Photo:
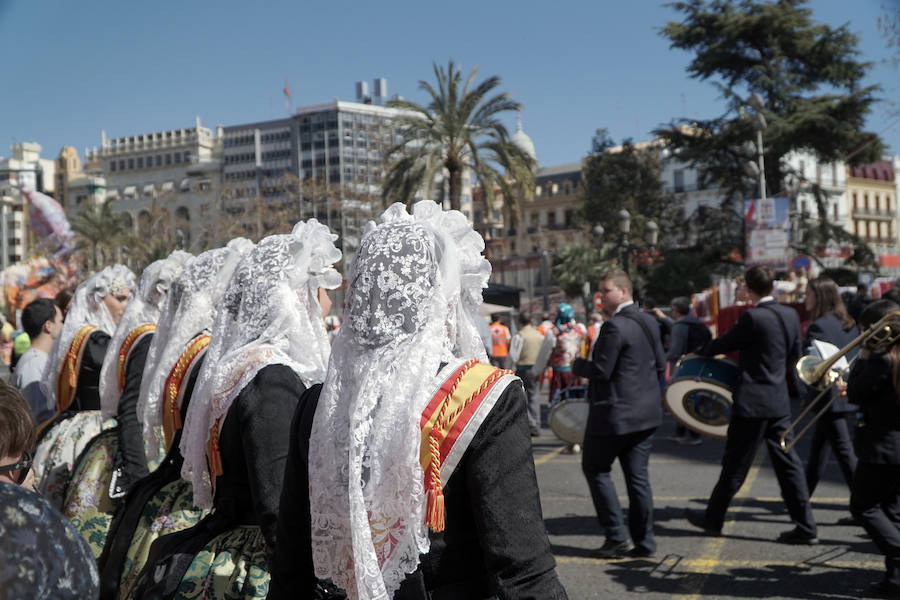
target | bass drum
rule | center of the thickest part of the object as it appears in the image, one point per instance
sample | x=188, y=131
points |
x=699, y=394
x=569, y=415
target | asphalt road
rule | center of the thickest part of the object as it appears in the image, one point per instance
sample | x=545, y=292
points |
x=745, y=562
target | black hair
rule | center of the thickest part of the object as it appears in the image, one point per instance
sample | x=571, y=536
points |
x=682, y=305
x=760, y=279
x=36, y=314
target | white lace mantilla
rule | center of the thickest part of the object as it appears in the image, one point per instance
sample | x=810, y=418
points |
x=87, y=308
x=413, y=296
x=271, y=315
x=144, y=307
x=189, y=310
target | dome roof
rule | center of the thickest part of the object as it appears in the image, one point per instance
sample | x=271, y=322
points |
x=521, y=139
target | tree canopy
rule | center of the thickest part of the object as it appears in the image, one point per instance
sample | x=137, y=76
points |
x=809, y=77
x=458, y=129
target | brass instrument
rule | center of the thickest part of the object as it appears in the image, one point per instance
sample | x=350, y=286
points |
x=818, y=373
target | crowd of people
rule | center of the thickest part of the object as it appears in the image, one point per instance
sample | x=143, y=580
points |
x=208, y=430
x=203, y=431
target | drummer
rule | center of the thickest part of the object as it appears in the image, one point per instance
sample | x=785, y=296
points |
x=768, y=337
x=688, y=334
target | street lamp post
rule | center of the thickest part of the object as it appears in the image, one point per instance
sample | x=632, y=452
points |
x=759, y=123
x=544, y=276
x=623, y=217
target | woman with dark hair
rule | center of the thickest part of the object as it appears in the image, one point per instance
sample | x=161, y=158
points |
x=874, y=384
x=16, y=438
x=830, y=323
x=63, y=300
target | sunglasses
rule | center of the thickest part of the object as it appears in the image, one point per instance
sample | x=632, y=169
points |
x=22, y=467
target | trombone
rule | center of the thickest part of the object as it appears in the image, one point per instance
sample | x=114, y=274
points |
x=819, y=373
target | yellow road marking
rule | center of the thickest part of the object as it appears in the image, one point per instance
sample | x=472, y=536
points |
x=712, y=547
x=710, y=564
x=549, y=456
x=658, y=499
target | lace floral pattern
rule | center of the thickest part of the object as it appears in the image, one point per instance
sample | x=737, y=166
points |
x=271, y=315
x=189, y=310
x=144, y=307
x=87, y=309
x=393, y=276
x=413, y=296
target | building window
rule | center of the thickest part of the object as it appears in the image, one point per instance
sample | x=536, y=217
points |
x=679, y=180
x=803, y=207
x=112, y=165
x=159, y=160
x=187, y=156
x=178, y=157
x=140, y=162
x=168, y=159
x=835, y=209
x=834, y=179
x=122, y=164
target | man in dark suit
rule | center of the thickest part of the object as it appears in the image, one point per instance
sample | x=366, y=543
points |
x=625, y=410
x=768, y=337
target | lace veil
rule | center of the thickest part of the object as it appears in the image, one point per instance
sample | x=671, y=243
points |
x=189, y=310
x=413, y=296
x=143, y=307
x=87, y=308
x=271, y=315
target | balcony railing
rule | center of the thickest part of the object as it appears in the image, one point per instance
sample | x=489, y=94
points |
x=873, y=212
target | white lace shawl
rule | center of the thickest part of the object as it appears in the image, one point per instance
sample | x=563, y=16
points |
x=143, y=307
x=87, y=308
x=189, y=310
x=413, y=296
x=271, y=315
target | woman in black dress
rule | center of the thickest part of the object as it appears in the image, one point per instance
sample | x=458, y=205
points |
x=268, y=345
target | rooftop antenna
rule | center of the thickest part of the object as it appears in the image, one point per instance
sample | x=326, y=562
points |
x=287, y=97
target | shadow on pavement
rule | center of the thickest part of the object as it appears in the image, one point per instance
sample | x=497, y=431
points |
x=664, y=576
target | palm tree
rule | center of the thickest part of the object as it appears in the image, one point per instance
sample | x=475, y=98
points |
x=459, y=129
x=100, y=230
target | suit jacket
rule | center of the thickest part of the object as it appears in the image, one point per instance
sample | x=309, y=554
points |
x=870, y=385
x=827, y=328
x=769, y=349
x=625, y=373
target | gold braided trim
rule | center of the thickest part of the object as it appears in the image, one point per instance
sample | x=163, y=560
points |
x=130, y=339
x=472, y=381
x=67, y=378
x=171, y=388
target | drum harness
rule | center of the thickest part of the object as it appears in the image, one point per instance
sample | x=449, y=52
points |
x=637, y=319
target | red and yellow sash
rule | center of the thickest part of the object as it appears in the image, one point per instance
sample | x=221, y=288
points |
x=444, y=420
x=171, y=416
x=133, y=336
x=67, y=378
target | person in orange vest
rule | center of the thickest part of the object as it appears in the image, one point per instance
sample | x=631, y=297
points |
x=593, y=330
x=499, y=342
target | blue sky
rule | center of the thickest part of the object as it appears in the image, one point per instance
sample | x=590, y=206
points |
x=73, y=69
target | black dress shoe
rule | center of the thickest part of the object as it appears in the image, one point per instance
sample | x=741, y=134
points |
x=883, y=589
x=640, y=553
x=611, y=549
x=698, y=519
x=797, y=537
